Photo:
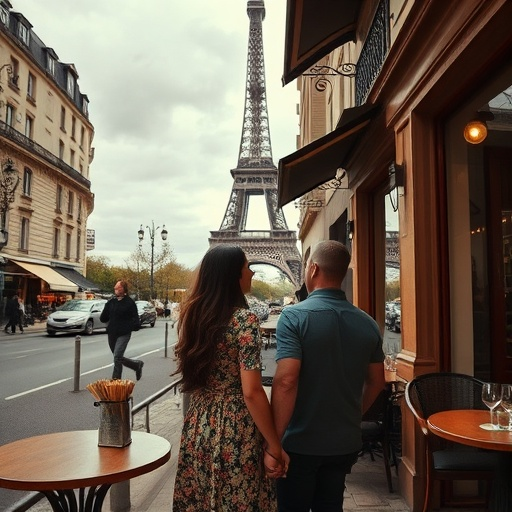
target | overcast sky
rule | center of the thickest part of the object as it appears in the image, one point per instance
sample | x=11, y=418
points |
x=166, y=84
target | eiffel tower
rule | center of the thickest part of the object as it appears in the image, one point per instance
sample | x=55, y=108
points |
x=256, y=173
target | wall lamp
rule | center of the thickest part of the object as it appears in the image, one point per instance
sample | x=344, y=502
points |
x=396, y=179
x=475, y=131
x=350, y=229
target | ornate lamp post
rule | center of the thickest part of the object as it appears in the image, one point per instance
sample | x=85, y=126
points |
x=152, y=231
x=9, y=179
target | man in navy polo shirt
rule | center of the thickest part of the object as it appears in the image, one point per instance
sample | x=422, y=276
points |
x=329, y=371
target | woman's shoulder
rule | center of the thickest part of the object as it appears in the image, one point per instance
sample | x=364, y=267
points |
x=245, y=315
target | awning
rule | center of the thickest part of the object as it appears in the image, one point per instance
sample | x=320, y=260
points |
x=313, y=29
x=78, y=279
x=318, y=162
x=56, y=282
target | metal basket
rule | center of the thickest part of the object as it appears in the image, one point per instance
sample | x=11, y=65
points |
x=115, y=423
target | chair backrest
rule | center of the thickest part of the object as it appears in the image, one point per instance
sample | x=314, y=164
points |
x=435, y=392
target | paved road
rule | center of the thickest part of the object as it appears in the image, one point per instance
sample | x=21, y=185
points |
x=37, y=381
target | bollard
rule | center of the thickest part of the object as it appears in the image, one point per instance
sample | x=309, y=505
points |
x=76, y=388
x=120, y=497
x=166, y=338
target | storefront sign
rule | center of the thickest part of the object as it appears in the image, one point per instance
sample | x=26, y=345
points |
x=91, y=236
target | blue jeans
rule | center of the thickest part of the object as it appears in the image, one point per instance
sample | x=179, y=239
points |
x=314, y=482
x=118, y=346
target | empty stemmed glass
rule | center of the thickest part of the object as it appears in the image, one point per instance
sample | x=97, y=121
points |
x=491, y=396
x=506, y=402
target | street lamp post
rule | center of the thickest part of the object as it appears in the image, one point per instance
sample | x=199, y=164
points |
x=152, y=231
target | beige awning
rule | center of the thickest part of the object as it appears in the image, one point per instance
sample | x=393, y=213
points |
x=56, y=282
x=315, y=28
x=318, y=162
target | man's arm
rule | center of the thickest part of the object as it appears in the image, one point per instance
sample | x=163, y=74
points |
x=284, y=392
x=373, y=384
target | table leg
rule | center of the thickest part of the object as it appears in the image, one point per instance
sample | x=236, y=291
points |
x=88, y=500
x=501, y=494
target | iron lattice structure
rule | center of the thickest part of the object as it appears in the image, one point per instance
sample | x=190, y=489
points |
x=256, y=173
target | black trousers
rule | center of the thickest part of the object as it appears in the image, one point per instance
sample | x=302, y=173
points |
x=314, y=482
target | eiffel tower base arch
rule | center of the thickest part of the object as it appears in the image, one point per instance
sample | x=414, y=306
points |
x=279, y=251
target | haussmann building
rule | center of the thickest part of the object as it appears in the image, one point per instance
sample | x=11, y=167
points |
x=45, y=153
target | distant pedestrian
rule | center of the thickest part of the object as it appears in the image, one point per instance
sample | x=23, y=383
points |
x=167, y=311
x=122, y=316
x=21, y=315
x=12, y=311
x=175, y=313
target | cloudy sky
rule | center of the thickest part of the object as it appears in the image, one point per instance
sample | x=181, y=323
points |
x=166, y=84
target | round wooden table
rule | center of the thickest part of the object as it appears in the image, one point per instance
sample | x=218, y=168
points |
x=463, y=426
x=56, y=464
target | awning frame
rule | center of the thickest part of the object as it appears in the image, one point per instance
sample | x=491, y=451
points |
x=317, y=162
x=314, y=28
x=56, y=281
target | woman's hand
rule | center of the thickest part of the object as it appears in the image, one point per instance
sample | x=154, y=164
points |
x=275, y=467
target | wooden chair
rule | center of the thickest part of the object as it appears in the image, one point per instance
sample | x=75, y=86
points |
x=435, y=392
x=375, y=427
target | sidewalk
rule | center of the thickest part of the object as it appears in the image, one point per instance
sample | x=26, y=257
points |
x=37, y=327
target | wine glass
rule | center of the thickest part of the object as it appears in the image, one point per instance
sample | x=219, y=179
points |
x=491, y=396
x=506, y=401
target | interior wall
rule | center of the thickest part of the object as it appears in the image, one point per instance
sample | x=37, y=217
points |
x=459, y=243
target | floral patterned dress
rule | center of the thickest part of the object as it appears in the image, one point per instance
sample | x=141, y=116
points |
x=220, y=465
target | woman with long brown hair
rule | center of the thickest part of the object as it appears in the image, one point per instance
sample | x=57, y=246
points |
x=229, y=445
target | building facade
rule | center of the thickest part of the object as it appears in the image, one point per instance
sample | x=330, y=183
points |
x=45, y=153
x=395, y=96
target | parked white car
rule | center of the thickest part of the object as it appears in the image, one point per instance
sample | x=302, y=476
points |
x=76, y=316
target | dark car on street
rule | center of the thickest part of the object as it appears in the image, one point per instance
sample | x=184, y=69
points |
x=147, y=312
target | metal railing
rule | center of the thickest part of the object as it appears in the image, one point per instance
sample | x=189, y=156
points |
x=32, y=498
x=148, y=401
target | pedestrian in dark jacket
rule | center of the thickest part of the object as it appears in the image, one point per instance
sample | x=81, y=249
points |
x=12, y=311
x=122, y=316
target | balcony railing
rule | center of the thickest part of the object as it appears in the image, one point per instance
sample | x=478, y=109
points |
x=373, y=53
x=14, y=135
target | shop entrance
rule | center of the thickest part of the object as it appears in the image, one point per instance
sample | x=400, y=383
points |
x=498, y=170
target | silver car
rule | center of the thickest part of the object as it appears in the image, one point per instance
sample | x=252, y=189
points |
x=76, y=316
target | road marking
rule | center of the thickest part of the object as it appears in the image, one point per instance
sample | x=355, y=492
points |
x=57, y=382
x=96, y=369
x=150, y=352
x=37, y=389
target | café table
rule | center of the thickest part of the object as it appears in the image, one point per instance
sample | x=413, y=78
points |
x=72, y=471
x=470, y=427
